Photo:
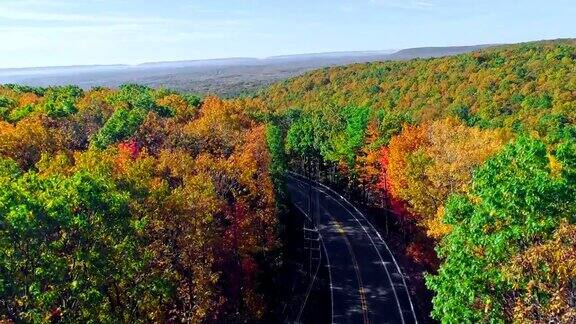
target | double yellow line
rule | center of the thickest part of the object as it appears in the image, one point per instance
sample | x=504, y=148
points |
x=363, y=303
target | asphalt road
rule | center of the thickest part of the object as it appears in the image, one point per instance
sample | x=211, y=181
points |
x=367, y=285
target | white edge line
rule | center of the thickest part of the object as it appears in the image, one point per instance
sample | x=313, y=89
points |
x=315, y=274
x=329, y=269
x=377, y=251
x=329, y=278
x=373, y=245
x=379, y=236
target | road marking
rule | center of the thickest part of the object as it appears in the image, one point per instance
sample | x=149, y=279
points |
x=330, y=279
x=329, y=269
x=369, y=236
x=315, y=274
x=363, y=302
x=373, y=245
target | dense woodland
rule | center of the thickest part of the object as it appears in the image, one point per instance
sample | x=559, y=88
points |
x=117, y=205
x=132, y=204
x=476, y=151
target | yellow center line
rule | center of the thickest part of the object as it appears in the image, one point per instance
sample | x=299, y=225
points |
x=363, y=303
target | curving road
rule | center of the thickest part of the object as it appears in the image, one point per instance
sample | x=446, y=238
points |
x=367, y=285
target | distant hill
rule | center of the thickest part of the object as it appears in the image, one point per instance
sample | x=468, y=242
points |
x=493, y=83
x=430, y=52
x=226, y=77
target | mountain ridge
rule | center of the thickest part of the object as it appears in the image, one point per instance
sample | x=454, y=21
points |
x=223, y=76
x=390, y=52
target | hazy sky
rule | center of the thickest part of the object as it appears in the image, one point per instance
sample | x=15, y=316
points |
x=69, y=32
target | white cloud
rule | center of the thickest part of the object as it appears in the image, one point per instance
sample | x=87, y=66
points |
x=22, y=13
x=60, y=32
x=84, y=44
x=61, y=13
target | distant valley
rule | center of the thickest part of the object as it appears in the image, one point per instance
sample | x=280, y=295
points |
x=225, y=77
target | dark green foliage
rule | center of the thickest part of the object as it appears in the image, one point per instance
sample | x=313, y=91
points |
x=193, y=100
x=537, y=102
x=555, y=128
x=163, y=111
x=464, y=114
x=134, y=96
x=6, y=104
x=278, y=163
x=375, y=89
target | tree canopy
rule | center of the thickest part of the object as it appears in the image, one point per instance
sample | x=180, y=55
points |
x=133, y=205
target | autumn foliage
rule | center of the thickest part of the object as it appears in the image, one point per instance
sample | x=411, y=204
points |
x=428, y=162
x=413, y=138
x=132, y=205
x=142, y=204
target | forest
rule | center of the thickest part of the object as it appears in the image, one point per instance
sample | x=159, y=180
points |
x=132, y=204
x=474, y=156
x=148, y=204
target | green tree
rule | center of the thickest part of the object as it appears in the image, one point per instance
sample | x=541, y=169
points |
x=517, y=199
x=6, y=104
x=120, y=126
x=278, y=166
x=301, y=137
x=390, y=124
x=355, y=132
x=134, y=96
x=69, y=248
x=60, y=101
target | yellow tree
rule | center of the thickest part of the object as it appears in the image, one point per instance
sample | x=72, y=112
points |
x=455, y=150
x=368, y=161
x=543, y=279
x=26, y=141
x=428, y=162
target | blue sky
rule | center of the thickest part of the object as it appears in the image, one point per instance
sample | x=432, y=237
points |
x=70, y=32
